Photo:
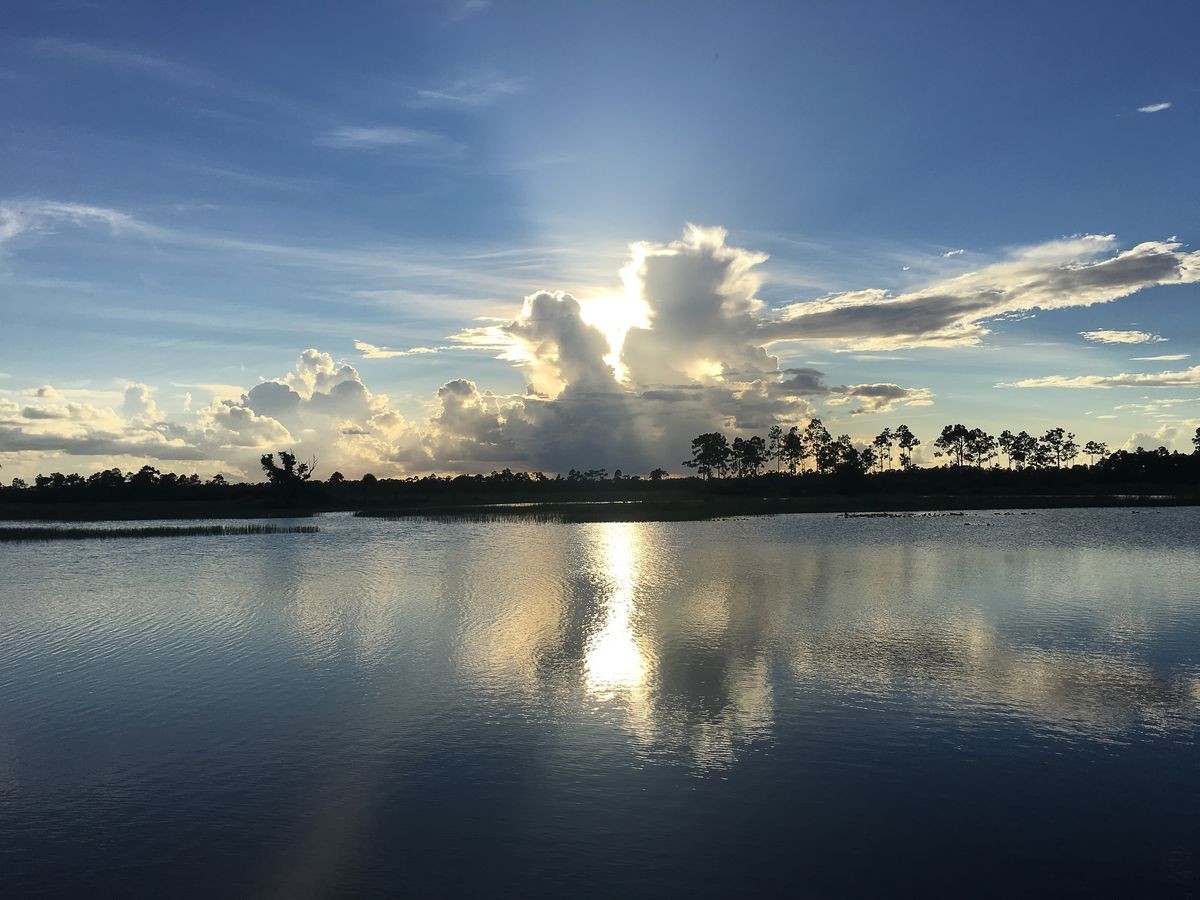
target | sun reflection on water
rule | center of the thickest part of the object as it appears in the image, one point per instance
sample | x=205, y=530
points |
x=614, y=661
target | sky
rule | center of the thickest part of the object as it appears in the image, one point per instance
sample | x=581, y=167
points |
x=457, y=235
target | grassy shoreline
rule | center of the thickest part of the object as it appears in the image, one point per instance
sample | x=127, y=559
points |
x=672, y=508
x=25, y=533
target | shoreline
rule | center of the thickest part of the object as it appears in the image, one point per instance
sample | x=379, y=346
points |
x=591, y=510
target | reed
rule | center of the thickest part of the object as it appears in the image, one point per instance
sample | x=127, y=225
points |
x=70, y=533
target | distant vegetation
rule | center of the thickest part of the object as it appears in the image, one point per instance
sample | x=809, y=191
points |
x=797, y=469
x=59, y=533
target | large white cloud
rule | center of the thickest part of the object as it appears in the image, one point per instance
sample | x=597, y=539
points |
x=620, y=381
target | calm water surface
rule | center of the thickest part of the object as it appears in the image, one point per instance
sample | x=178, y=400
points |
x=978, y=705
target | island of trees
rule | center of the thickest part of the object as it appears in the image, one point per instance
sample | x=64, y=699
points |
x=799, y=469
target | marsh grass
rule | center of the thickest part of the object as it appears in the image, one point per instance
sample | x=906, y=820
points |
x=69, y=533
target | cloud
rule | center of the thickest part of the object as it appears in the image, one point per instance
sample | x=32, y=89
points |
x=949, y=253
x=44, y=216
x=1166, y=357
x=370, y=351
x=1167, y=435
x=1121, y=337
x=615, y=379
x=355, y=137
x=466, y=93
x=1072, y=272
x=1154, y=107
x=1183, y=378
x=807, y=382
x=106, y=56
x=139, y=404
x=464, y=9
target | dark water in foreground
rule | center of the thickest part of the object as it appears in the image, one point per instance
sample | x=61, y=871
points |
x=979, y=705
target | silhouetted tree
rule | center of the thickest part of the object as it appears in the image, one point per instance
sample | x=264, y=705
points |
x=1094, y=449
x=145, y=478
x=848, y=460
x=907, y=442
x=1059, y=447
x=710, y=454
x=952, y=443
x=1024, y=449
x=819, y=443
x=1196, y=441
x=288, y=475
x=980, y=447
x=794, y=450
x=775, y=445
x=883, y=448
x=749, y=455
x=656, y=474
x=337, y=478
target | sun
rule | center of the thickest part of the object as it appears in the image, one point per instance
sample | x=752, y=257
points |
x=614, y=315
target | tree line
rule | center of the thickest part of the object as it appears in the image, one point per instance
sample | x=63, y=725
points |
x=1047, y=461
x=814, y=449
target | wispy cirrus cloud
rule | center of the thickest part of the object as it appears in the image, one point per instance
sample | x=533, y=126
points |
x=1154, y=107
x=20, y=216
x=97, y=54
x=371, y=137
x=173, y=72
x=1165, y=357
x=466, y=93
x=371, y=351
x=1182, y=378
x=1109, y=336
x=464, y=9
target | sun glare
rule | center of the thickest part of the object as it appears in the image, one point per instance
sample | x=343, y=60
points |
x=614, y=315
x=614, y=660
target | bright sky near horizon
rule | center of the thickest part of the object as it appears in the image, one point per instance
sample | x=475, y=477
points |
x=446, y=236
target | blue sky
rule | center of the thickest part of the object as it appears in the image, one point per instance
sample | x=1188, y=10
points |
x=194, y=195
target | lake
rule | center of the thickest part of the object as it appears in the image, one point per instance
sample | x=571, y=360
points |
x=989, y=704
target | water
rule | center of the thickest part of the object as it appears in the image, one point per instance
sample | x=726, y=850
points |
x=979, y=705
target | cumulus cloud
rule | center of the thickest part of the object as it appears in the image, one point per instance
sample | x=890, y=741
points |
x=1106, y=336
x=1073, y=272
x=619, y=381
x=1166, y=435
x=139, y=405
